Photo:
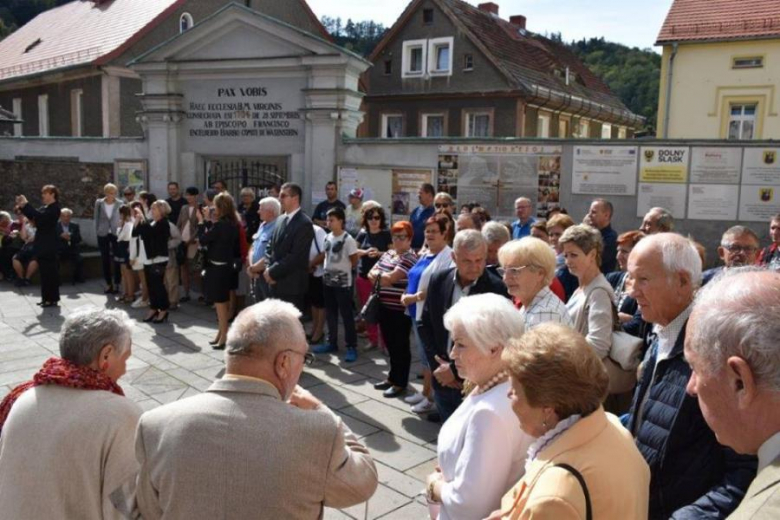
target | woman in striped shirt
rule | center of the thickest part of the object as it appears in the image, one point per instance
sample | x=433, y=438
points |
x=392, y=269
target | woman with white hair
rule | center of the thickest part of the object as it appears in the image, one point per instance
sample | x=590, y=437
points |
x=106, y=216
x=528, y=268
x=481, y=448
x=71, y=430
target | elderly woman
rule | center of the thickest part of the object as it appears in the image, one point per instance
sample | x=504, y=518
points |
x=106, y=216
x=626, y=305
x=392, y=271
x=481, y=448
x=71, y=430
x=583, y=464
x=443, y=201
x=436, y=257
x=528, y=268
x=555, y=228
x=155, y=234
x=248, y=209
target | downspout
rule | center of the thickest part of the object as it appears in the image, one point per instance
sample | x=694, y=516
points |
x=668, y=101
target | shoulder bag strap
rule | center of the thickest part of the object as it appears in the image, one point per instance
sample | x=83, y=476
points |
x=585, y=310
x=576, y=474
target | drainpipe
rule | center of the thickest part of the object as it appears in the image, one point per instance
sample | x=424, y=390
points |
x=668, y=103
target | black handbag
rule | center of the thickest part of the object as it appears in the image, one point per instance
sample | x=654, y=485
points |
x=372, y=308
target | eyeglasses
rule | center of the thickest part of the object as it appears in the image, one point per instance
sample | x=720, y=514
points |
x=374, y=217
x=736, y=248
x=399, y=237
x=442, y=205
x=308, y=357
x=511, y=271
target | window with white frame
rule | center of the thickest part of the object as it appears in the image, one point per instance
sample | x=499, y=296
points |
x=478, y=124
x=392, y=125
x=440, y=56
x=606, y=131
x=43, y=115
x=185, y=22
x=17, y=109
x=584, y=129
x=742, y=121
x=432, y=125
x=76, y=113
x=543, y=125
x=415, y=53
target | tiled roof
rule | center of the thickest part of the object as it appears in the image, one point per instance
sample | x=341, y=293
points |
x=695, y=20
x=76, y=33
x=531, y=58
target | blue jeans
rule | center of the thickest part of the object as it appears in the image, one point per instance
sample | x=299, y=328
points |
x=338, y=300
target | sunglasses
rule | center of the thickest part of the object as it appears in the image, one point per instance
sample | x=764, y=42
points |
x=374, y=217
x=399, y=237
x=442, y=205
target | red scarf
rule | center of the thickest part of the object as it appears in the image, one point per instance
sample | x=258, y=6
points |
x=57, y=371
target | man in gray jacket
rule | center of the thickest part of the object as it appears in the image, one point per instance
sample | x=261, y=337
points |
x=254, y=445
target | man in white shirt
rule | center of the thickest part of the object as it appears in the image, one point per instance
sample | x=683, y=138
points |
x=731, y=345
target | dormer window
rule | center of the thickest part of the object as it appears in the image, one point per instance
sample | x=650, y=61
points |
x=414, y=58
x=185, y=22
x=440, y=56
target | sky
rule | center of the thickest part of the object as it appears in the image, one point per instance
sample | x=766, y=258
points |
x=635, y=23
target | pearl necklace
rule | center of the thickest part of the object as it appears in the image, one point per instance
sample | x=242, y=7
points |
x=494, y=381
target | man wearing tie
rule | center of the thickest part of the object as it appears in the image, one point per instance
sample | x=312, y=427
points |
x=70, y=240
x=287, y=256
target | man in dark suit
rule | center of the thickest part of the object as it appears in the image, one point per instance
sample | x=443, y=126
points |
x=46, y=241
x=467, y=278
x=70, y=240
x=287, y=256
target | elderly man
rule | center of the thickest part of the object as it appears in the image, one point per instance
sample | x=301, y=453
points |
x=496, y=235
x=600, y=217
x=657, y=220
x=70, y=242
x=731, y=345
x=269, y=209
x=254, y=445
x=739, y=246
x=446, y=287
x=287, y=254
x=522, y=226
x=692, y=476
x=66, y=449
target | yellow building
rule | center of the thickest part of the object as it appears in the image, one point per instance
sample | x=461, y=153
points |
x=720, y=70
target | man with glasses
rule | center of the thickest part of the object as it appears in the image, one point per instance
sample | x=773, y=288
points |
x=255, y=443
x=421, y=214
x=522, y=226
x=739, y=247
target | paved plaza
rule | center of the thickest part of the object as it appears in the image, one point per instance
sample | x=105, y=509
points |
x=173, y=361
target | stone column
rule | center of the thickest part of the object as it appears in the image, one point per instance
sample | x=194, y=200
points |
x=162, y=118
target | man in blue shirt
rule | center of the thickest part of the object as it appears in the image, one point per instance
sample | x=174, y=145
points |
x=422, y=213
x=269, y=210
x=522, y=226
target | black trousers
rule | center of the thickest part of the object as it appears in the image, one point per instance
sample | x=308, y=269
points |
x=72, y=256
x=395, y=327
x=50, y=278
x=299, y=300
x=155, y=279
x=338, y=300
x=107, y=246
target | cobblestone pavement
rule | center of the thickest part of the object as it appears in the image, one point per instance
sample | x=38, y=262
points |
x=173, y=361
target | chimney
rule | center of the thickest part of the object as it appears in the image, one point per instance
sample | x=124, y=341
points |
x=488, y=7
x=518, y=20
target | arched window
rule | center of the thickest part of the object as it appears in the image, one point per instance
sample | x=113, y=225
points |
x=185, y=22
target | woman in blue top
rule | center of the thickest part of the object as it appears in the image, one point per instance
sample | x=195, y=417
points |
x=435, y=256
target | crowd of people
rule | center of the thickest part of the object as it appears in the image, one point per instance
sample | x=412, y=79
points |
x=578, y=372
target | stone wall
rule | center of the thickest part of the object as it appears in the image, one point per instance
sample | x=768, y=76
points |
x=79, y=183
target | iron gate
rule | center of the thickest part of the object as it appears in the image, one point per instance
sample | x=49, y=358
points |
x=259, y=174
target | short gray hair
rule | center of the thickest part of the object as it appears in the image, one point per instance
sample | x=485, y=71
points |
x=4, y=215
x=88, y=330
x=66, y=211
x=665, y=220
x=271, y=203
x=262, y=328
x=469, y=240
x=736, y=315
x=495, y=232
x=677, y=252
x=739, y=231
x=489, y=320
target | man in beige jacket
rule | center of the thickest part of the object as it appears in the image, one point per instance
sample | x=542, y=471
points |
x=254, y=445
x=731, y=345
